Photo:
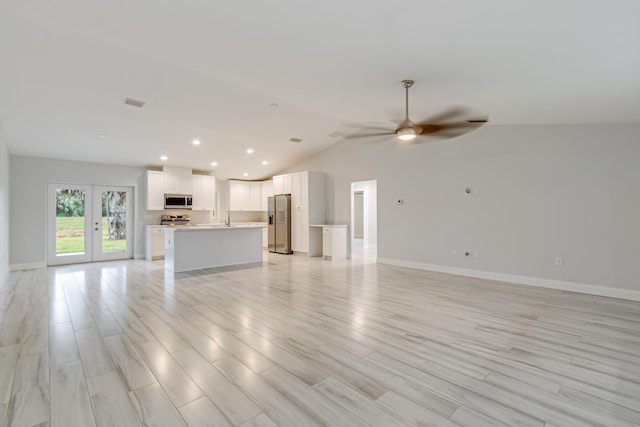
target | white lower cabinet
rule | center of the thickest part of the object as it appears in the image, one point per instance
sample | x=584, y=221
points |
x=154, y=248
x=334, y=242
x=265, y=237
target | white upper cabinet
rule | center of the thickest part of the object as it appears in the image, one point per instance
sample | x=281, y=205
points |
x=177, y=184
x=249, y=195
x=239, y=195
x=177, y=180
x=204, y=192
x=255, y=190
x=267, y=191
x=155, y=190
x=283, y=184
x=278, y=184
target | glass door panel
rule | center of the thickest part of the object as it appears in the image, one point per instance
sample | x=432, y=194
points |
x=69, y=223
x=112, y=223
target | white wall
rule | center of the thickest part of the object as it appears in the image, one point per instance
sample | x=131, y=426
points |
x=541, y=191
x=4, y=205
x=28, y=197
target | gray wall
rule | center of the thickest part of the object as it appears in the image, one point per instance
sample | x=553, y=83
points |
x=4, y=204
x=539, y=192
x=28, y=197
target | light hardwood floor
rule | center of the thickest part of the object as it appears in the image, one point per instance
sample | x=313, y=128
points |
x=306, y=342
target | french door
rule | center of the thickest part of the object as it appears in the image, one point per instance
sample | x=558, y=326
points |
x=88, y=223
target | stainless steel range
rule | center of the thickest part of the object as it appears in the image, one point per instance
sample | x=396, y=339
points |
x=175, y=220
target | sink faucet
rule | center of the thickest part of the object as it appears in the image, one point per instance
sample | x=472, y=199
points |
x=228, y=221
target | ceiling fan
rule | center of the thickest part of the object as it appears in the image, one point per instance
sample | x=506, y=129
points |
x=445, y=125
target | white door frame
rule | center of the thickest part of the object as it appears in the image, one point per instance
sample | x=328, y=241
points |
x=92, y=225
x=370, y=189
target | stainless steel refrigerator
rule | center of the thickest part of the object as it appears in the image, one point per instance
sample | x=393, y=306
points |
x=279, y=226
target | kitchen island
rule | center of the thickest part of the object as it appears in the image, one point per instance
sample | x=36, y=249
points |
x=194, y=248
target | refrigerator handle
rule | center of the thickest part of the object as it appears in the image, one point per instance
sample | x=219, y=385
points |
x=271, y=219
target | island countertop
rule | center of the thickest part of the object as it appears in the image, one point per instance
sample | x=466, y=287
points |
x=213, y=227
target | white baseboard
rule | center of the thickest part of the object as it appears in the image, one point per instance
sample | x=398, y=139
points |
x=27, y=266
x=583, y=288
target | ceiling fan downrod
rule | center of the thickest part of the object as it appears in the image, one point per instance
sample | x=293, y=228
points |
x=406, y=84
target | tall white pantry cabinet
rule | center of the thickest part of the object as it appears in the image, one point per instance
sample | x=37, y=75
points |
x=307, y=207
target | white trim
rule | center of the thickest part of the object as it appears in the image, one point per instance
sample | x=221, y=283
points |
x=583, y=288
x=27, y=266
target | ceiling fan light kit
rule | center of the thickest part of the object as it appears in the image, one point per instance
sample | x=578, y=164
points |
x=406, y=134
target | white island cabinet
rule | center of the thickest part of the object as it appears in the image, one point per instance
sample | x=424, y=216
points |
x=195, y=248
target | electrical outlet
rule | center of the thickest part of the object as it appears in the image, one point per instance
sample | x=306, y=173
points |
x=476, y=254
x=558, y=260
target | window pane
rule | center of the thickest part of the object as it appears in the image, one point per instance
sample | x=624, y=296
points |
x=114, y=221
x=70, y=222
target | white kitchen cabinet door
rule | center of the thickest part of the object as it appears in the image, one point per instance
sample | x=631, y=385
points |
x=297, y=243
x=155, y=190
x=278, y=184
x=255, y=190
x=177, y=183
x=196, y=187
x=287, y=183
x=334, y=242
x=209, y=192
x=239, y=196
x=204, y=192
x=267, y=191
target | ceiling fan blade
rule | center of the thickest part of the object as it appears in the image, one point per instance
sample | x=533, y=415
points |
x=448, y=114
x=359, y=135
x=451, y=129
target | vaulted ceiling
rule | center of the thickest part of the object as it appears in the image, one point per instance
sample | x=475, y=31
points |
x=253, y=74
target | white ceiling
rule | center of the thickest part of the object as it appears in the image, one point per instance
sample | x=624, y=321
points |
x=212, y=69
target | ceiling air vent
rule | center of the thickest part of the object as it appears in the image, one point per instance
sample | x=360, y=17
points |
x=296, y=140
x=134, y=102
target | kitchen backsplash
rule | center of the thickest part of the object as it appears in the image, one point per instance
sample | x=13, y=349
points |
x=247, y=216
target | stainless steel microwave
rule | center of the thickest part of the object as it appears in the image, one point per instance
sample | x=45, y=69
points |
x=178, y=201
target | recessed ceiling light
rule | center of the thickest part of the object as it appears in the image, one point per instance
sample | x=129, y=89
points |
x=102, y=135
x=250, y=151
x=214, y=163
x=296, y=140
x=264, y=162
x=196, y=142
x=164, y=158
x=245, y=174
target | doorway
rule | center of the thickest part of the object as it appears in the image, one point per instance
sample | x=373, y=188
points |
x=364, y=218
x=88, y=223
